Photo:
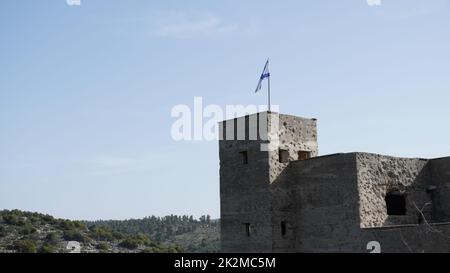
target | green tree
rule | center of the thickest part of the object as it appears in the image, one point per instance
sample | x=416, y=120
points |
x=11, y=219
x=25, y=246
x=130, y=243
x=27, y=229
x=52, y=238
x=66, y=224
x=75, y=235
x=47, y=218
x=47, y=248
x=102, y=233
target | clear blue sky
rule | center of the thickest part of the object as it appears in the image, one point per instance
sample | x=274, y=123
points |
x=86, y=92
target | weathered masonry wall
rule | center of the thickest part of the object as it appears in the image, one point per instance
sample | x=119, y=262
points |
x=276, y=201
x=245, y=189
x=431, y=186
x=320, y=198
x=379, y=175
x=295, y=134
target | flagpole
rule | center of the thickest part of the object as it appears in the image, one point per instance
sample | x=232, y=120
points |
x=268, y=86
x=268, y=91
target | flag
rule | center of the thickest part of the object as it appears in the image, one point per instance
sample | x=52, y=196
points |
x=265, y=74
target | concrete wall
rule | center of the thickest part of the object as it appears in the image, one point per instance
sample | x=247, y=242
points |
x=244, y=191
x=434, y=238
x=440, y=176
x=326, y=202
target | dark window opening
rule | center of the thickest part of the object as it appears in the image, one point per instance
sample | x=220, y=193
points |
x=283, y=156
x=395, y=204
x=283, y=228
x=247, y=229
x=244, y=155
x=303, y=155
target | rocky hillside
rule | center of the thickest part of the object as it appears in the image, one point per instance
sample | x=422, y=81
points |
x=34, y=232
x=192, y=235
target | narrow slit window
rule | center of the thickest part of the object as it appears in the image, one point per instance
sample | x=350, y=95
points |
x=283, y=156
x=247, y=229
x=244, y=156
x=303, y=155
x=395, y=203
x=283, y=228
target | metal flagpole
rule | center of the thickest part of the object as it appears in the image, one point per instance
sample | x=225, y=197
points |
x=268, y=85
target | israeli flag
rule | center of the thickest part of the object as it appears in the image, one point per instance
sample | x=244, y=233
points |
x=265, y=74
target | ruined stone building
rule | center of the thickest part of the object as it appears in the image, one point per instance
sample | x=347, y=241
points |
x=289, y=199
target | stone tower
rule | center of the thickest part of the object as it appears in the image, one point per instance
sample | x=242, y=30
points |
x=254, y=151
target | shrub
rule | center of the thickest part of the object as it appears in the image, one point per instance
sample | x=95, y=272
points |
x=48, y=218
x=149, y=250
x=174, y=249
x=102, y=233
x=117, y=235
x=27, y=229
x=52, y=238
x=66, y=225
x=103, y=246
x=78, y=225
x=75, y=235
x=144, y=239
x=47, y=248
x=130, y=243
x=3, y=232
x=17, y=212
x=11, y=219
x=25, y=246
x=35, y=220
